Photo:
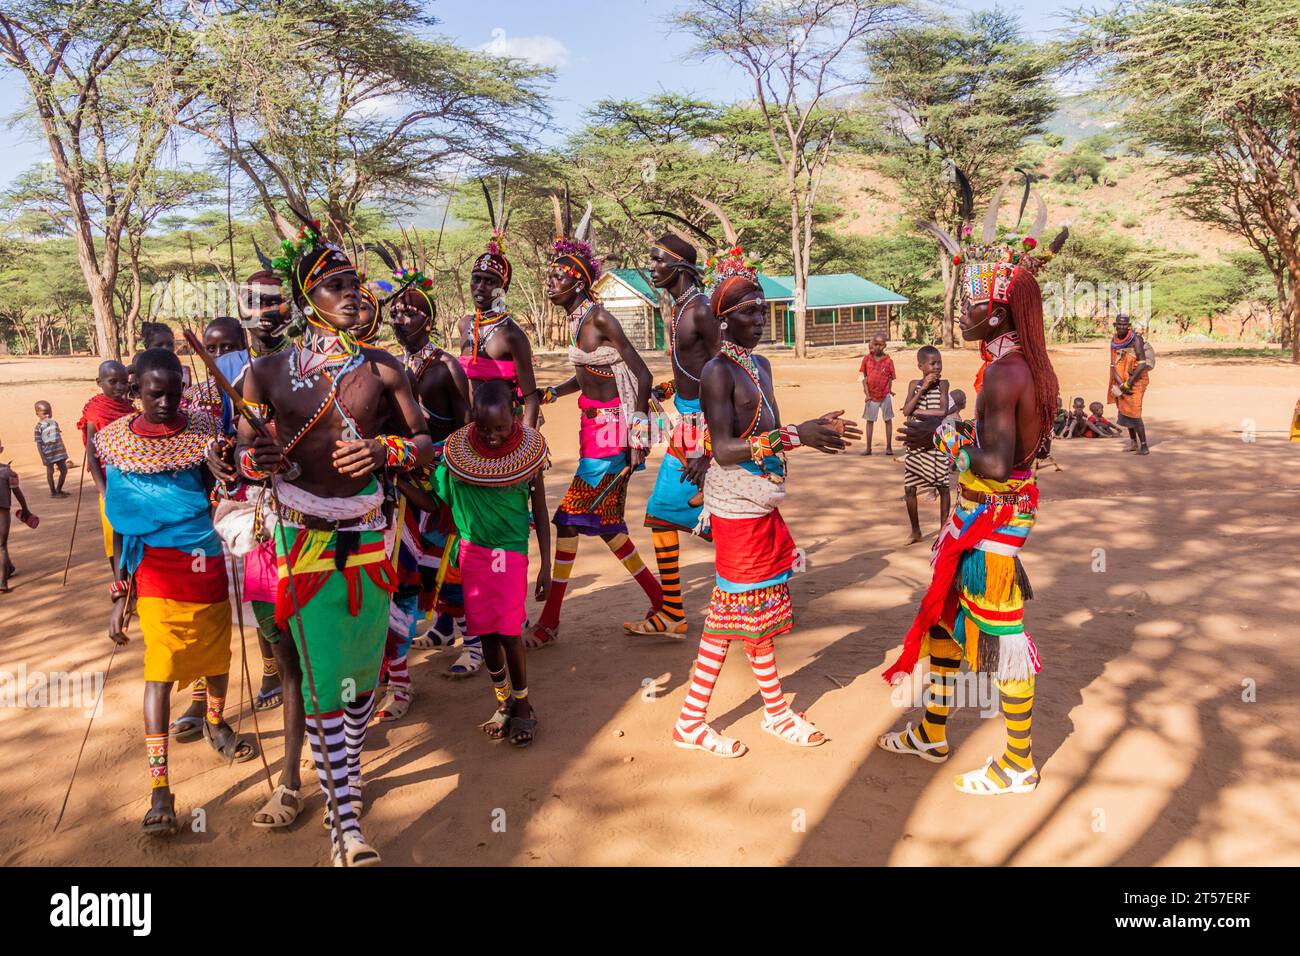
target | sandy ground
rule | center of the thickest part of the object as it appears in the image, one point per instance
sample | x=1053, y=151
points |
x=1161, y=732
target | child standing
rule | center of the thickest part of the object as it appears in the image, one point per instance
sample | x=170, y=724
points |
x=9, y=489
x=927, y=397
x=491, y=478
x=877, y=373
x=49, y=443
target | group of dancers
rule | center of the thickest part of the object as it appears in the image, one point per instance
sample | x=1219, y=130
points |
x=347, y=494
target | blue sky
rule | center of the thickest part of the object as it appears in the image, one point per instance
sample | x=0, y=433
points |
x=614, y=48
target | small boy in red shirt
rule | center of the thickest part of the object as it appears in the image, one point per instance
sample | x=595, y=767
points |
x=877, y=374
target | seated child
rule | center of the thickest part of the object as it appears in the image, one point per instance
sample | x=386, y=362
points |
x=1061, y=419
x=1098, y=422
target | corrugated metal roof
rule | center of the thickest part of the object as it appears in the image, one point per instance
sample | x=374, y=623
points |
x=840, y=289
x=837, y=290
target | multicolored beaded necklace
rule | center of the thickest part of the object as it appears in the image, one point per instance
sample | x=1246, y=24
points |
x=418, y=362
x=490, y=320
x=745, y=359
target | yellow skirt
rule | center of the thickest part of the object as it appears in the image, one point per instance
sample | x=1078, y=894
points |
x=184, y=640
x=107, y=528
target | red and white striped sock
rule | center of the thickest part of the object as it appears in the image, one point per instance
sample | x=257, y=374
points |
x=399, y=678
x=762, y=660
x=704, y=677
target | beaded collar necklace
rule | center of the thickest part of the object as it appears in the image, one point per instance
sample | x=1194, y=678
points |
x=745, y=359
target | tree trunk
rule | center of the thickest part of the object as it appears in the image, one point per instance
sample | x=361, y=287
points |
x=949, y=287
x=800, y=281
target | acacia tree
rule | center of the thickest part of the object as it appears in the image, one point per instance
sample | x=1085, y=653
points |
x=106, y=82
x=1214, y=85
x=797, y=54
x=336, y=103
x=968, y=95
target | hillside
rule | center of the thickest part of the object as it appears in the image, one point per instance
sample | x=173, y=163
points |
x=1137, y=205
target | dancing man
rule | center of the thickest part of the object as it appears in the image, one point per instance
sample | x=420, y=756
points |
x=329, y=398
x=614, y=431
x=674, y=505
x=743, y=489
x=975, y=605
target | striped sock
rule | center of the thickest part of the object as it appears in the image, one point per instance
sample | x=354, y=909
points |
x=269, y=668
x=331, y=761
x=762, y=660
x=215, y=707
x=155, y=748
x=626, y=552
x=1018, y=712
x=356, y=717
x=704, y=677
x=668, y=551
x=566, y=551
x=399, y=678
x=945, y=662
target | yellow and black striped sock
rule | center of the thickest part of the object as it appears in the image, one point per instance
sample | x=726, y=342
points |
x=268, y=667
x=1018, y=712
x=199, y=695
x=945, y=662
x=668, y=552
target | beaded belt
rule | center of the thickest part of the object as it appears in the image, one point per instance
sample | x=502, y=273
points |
x=1017, y=500
x=313, y=523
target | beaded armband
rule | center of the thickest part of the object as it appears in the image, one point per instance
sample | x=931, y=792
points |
x=248, y=466
x=257, y=408
x=953, y=438
x=638, y=430
x=401, y=453
x=779, y=440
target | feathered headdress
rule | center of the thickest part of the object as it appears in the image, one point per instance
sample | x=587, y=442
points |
x=409, y=270
x=493, y=260
x=989, y=263
x=679, y=244
x=572, y=251
x=733, y=276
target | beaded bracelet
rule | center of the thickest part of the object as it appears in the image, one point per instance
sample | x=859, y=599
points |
x=118, y=589
x=400, y=452
x=248, y=466
x=666, y=390
x=763, y=445
x=549, y=395
x=953, y=438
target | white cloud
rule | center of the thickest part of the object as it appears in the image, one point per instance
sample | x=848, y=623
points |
x=538, y=50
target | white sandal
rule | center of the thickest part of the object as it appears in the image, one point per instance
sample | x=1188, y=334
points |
x=977, y=782
x=394, y=707
x=794, y=729
x=710, y=742
x=282, y=814
x=358, y=851
x=906, y=741
x=470, y=663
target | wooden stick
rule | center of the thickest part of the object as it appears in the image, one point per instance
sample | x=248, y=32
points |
x=76, y=517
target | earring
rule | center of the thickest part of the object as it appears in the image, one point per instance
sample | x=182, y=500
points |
x=722, y=324
x=308, y=310
x=995, y=320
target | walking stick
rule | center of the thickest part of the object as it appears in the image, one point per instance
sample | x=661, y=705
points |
x=76, y=517
x=126, y=623
x=247, y=681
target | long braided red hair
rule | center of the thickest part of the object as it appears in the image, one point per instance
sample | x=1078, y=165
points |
x=1025, y=300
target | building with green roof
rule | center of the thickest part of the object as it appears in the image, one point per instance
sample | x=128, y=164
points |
x=843, y=307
